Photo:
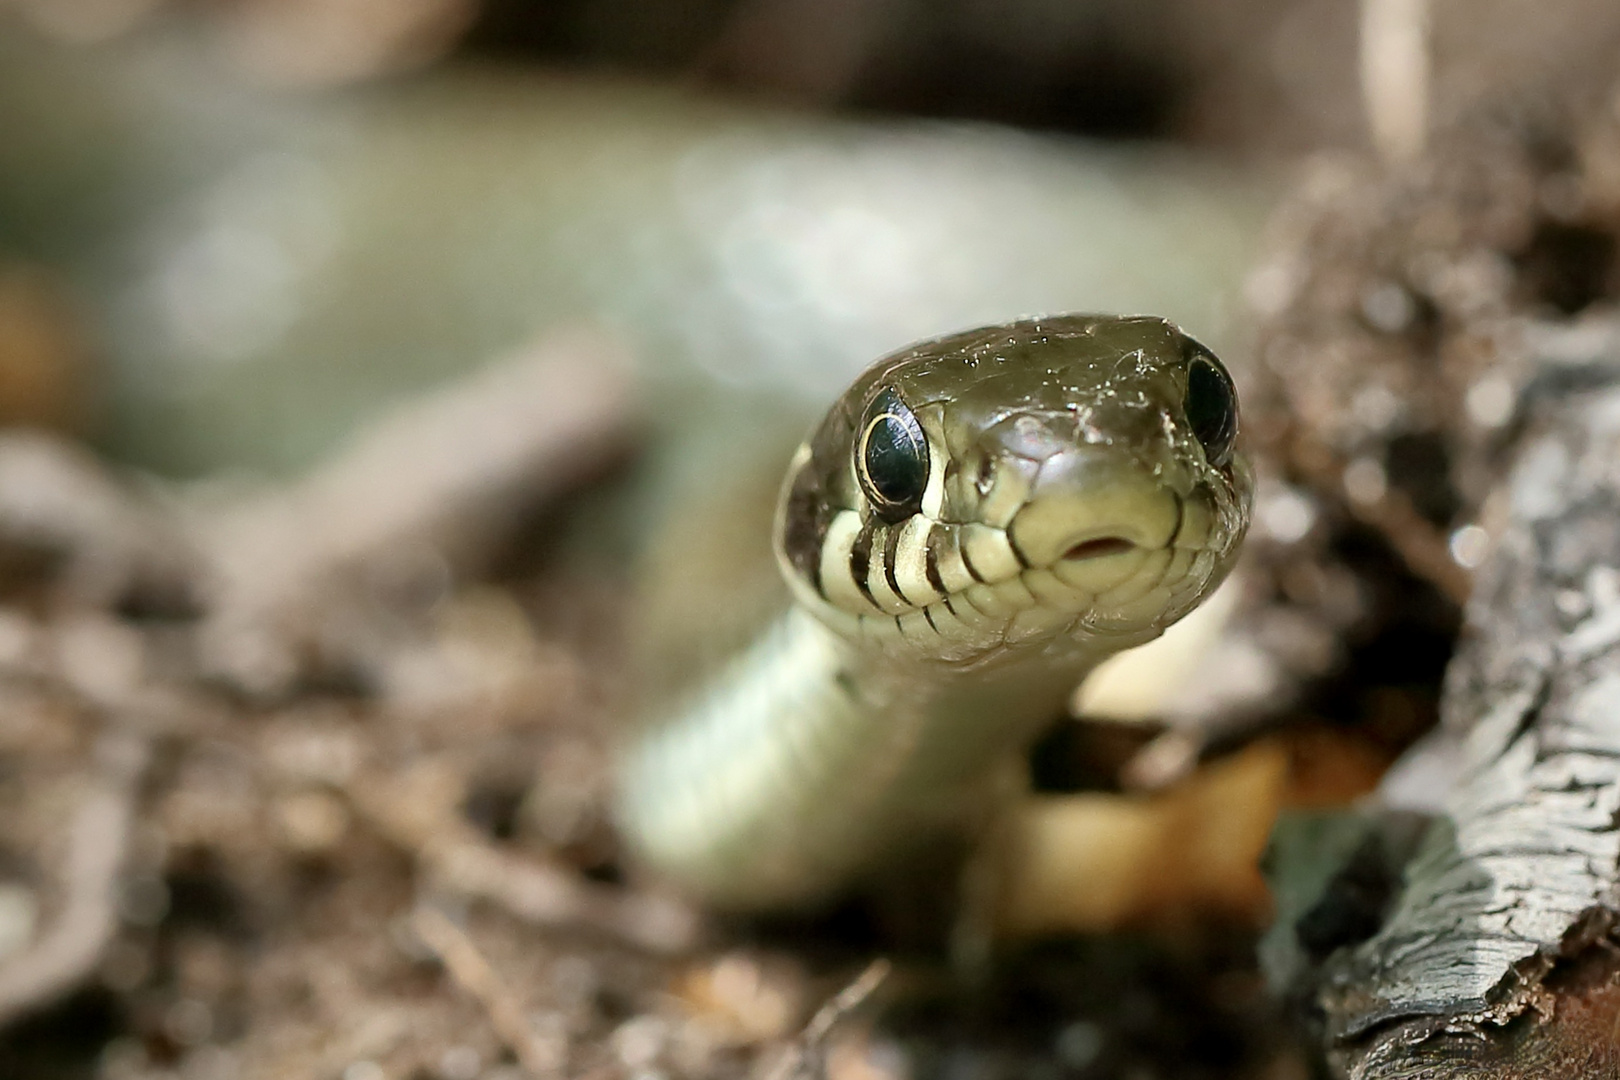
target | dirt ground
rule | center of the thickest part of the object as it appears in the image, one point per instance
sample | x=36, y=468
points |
x=292, y=792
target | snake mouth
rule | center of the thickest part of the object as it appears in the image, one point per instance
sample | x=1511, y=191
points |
x=1098, y=548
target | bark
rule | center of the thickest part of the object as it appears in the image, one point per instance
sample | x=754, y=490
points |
x=1496, y=955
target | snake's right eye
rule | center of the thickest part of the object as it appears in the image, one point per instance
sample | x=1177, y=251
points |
x=891, y=457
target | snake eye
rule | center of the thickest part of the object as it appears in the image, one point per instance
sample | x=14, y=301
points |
x=1211, y=408
x=891, y=457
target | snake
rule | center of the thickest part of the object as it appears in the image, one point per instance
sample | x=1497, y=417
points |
x=975, y=524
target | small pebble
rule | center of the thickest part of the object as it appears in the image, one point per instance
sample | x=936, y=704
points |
x=1489, y=402
x=1375, y=407
x=639, y=1041
x=1388, y=307
x=312, y=822
x=189, y=1022
x=461, y=1063
x=1469, y=545
x=1286, y=515
x=1079, y=1043
x=211, y=1063
x=1572, y=603
x=143, y=900
x=575, y=982
x=1365, y=481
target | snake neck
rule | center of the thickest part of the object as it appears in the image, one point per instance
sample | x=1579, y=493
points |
x=810, y=761
x=974, y=524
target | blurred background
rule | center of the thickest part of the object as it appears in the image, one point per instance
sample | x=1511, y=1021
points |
x=350, y=352
x=267, y=217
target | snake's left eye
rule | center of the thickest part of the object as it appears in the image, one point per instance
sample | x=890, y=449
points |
x=1211, y=408
x=891, y=457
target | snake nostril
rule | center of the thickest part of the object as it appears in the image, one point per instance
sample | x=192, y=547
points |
x=1101, y=547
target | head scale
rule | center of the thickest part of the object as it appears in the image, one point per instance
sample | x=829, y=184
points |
x=1041, y=486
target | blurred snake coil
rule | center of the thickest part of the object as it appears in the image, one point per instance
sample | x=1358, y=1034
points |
x=975, y=524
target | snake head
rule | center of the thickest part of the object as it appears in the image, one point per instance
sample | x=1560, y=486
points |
x=1054, y=484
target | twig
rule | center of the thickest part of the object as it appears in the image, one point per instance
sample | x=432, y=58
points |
x=446, y=477
x=473, y=973
x=1421, y=546
x=1395, y=75
x=551, y=896
x=461, y=863
x=98, y=839
x=100, y=536
x=803, y=1058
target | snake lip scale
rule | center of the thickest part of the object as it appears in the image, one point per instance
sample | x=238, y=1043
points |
x=975, y=524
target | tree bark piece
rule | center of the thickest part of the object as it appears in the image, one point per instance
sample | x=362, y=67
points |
x=1499, y=958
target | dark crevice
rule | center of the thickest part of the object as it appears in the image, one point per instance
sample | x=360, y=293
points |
x=63, y=1042
x=1419, y=465
x=1568, y=267
x=1355, y=903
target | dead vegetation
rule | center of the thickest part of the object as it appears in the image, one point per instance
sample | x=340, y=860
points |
x=310, y=782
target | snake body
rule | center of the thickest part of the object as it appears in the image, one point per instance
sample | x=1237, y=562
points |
x=976, y=523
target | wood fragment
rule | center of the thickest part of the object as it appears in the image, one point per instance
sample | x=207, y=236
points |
x=1395, y=75
x=1515, y=883
x=444, y=479
x=1420, y=545
x=805, y=1056
x=66, y=953
x=67, y=520
x=1098, y=863
x=472, y=971
x=457, y=861
x=547, y=895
